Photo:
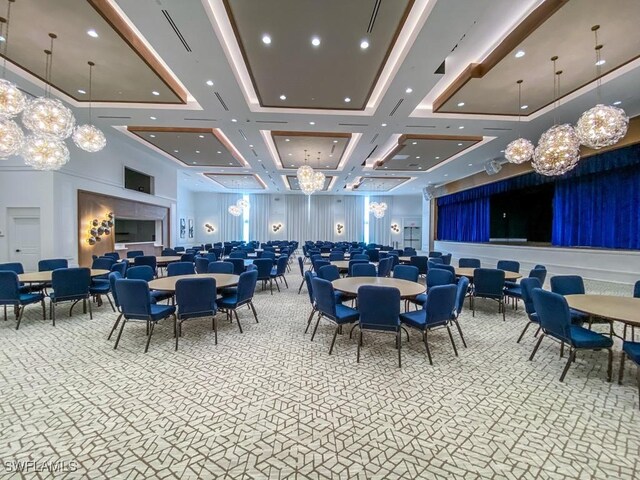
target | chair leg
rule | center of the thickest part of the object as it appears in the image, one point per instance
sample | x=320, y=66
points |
x=120, y=333
x=399, y=342
x=285, y=281
x=453, y=344
x=335, y=334
x=301, y=285
x=405, y=331
x=313, y=311
x=426, y=345
x=535, y=349
x=176, y=329
x=358, y=350
x=91, y=309
x=572, y=353
x=214, y=325
x=111, y=303
x=610, y=364
x=44, y=309
x=316, y=327
x=237, y=319
x=19, y=317
x=523, y=332
x=52, y=307
x=562, y=349
x=502, y=306
x=5, y=313
x=638, y=382
x=460, y=332
x=473, y=306
x=277, y=284
x=115, y=325
x=253, y=309
x=623, y=356
x=146, y=348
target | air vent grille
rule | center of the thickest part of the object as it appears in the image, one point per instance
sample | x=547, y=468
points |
x=271, y=121
x=176, y=30
x=374, y=139
x=354, y=124
x=188, y=119
x=396, y=107
x=112, y=116
x=374, y=16
x=224, y=105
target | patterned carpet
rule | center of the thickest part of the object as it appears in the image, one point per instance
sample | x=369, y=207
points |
x=270, y=404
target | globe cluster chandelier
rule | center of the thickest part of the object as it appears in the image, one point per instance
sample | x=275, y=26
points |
x=88, y=137
x=521, y=149
x=310, y=181
x=240, y=206
x=378, y=209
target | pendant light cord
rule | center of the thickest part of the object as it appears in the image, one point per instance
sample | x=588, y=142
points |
x=598, y=49
x=519, y=82
x=6, y=39
x=91, y=65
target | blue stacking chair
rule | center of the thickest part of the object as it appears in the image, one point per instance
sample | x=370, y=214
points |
x=384, y=267
x=461, y=292
x=135, y=304
x=220, y=267
x=434, y=254
x=69, y=285
x=336, y=256
x=327, y=307
x=202, y=264
x=363, y=270
x=631, y=350
x=442, y=266
x=308, y=276
x=301, y=265
x=10, y=294
x=114, y=255
x=17, y=268
x=243, y=295
x=113, y=278
x=239, y=254
x=360, y=256
x=195, y=298
x=508, y=265
x=100, y=285
x=574, y=285
x=555, y=321
x=331, y=273
x=488, y=283
x=374, y=255
x=52, y=264
x=144, y=272
x=436, y=312
x=446, y=259
x=179, y=249
x=379, y=309
x=406, y=272
x=180, y=268
x=168, y=252
x=264, y=266
x=136, y=253
x=422, y=263
x=636, y=289
x=409, y=252
x=435, y=261
x=435, y=277
x=238, y=265
x=526, y=289
x=469, y=263
x=148, y=260
x=353, y=262
x=513, y=290
x=319, y=263
x=120, y=267
x=279, y=270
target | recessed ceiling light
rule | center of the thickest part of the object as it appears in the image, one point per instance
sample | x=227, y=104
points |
x=414, y=143
x=461, y=104
x=335, y=141
x=289, y=154
x=312, y=123
x=461, y=127
x=92, y=33
x=219, y=151
x=80, y=91
x=175, y=151
x=152, y=118
x=364, y=44
x=152, y=136
x=210, y=83
x=230, y=163
x=501, y=151
x=283, y=97
x=459, y=144
x=617, y=102
x=287, y=140
x=331, y=155
x=409, y=90
x=197, y=151
x=524, y=107
x=266, y=39
x=156, y=93
x=200, y=136
x=383, y=125
x=250, y=146
x=2, y=39
x=419, y=168
x=347, y=99
x=292, y=164
x=520, y=54
x=418, y=156
x=315, y=41
x=446, y=174
x=471, y=164
x=327, y=166
x=437, y=158
x=194, y=163
x=600, y=62
x=234, y=120
x=386, y=167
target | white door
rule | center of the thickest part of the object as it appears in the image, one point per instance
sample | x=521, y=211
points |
x=24, y=242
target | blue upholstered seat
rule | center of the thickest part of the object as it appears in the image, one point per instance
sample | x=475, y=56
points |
x=10, y=294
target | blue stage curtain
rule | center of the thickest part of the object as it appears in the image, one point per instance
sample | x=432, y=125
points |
x=466, y=221
x=598, y=210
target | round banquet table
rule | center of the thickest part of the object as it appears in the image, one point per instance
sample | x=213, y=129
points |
x=622, y=309
x=404, y=259
x=45, y=277
x=168, y=284
x=468, y=272
x=161, y=260
x=351, y=284
x=327, y=254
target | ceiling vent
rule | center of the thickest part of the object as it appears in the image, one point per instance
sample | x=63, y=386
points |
x=354, y=124
x=176, y=30
x=373, y=140
x=497, y=129
x=400, y=157
x=201, y=119
x=420, y=126
x=224, y=105
x=112, y=117
x=271, y=121
x=440, y=69
x=396, y=107
x=374, y=16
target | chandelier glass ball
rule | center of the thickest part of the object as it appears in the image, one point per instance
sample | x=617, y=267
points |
x=48, y=116
x=378, y=209
x=11, y=138
x=318, y=181
x=242, y=203
x=307, y=188
x=305, y=174
x=12, y=100
x=44, y=152
x=519, y=151
x=602, y=126
x=89, y=138
x=558, y=151
x=235, y=210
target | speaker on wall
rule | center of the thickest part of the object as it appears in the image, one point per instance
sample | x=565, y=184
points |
x=492, y=167
x=429, y=192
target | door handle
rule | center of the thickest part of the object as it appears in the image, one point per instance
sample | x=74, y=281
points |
x=18, y=250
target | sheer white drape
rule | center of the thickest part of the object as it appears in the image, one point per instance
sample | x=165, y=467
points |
x=260, y=217
x=230, y=226
x=380, y=228
x=353, y=219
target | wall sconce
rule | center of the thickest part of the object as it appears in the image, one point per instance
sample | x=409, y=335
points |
x=395, y=228
x=98, y=228
x=276, y=226
x=339, y=228
x=208, y=228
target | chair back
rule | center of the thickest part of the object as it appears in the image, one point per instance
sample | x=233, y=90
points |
x=422, y=263
x=9, y=288
x=319, y=263
x=264, y=266
x=70, y=283
x=246, y=285
x=379, y=308
x=488, y=282
x=440, y=304
x=220, y=267
x=384, y=267
x=354, y=262
x=406, y=272
x=168, y=252
x=102, y=263
x=363, y=270
x=281, y=265
x=187, y=257
x=539, y=273
x=323, y=294
x=469, y=263
x=435, y=261
x=268, y=254
x=148, y=260
x=374, y=255
x=329, y=272
x=113, y=277
x=141, y=272
x=461, y=292
x=136, y=253
x=12, y=267
x=360, y=256
x=180, y=268
x=437, y=277
x=239, y=254
x=308, y=276
x=52, y=264
x=508, y=265
x=133, y=295
x=442, y=266
x=526, y=286
x=636, y=289
x=202, y=264
x=553, y=312
x=114, y=255
x=238, y=265
x=409, y=252
x=434, y=254
x=446, y=259
x=179, y=249
x=567, y=285
x=196, y=297
x=120, y=267
x=336, y=256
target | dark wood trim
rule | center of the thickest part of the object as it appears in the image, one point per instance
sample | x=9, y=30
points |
x=245, y=58
x=254, y=175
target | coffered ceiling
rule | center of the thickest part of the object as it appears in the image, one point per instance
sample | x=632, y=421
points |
x=379, y=184
x=294, y=185
x=320, y=150
x=237, y=182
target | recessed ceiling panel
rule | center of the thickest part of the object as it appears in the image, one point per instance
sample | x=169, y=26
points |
x=323, y=150
x=89, y=30
x=316, y=54
x=491, y=87
x=237, y=181
x=421, y=153
x=294, y=185
x=195, y=147
x=380, y=184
